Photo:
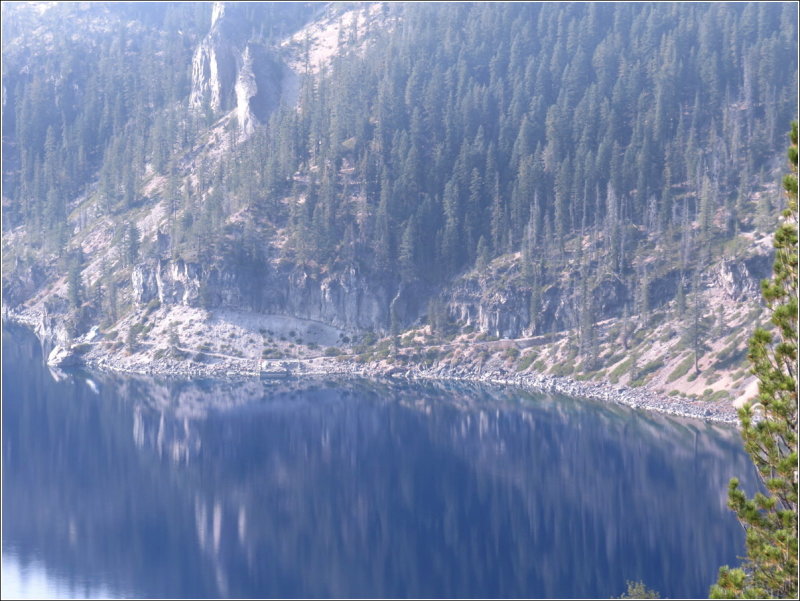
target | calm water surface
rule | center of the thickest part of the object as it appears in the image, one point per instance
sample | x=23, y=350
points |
x=116, y=487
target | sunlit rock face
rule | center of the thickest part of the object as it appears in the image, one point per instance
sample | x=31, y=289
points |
x=231, y=74
x=501, y=306
x=62, y=357
x=347, y=299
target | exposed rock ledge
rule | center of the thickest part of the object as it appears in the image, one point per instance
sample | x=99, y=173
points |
x=63, y=357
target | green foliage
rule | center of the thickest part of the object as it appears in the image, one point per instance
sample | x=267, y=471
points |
x=770, y=569
x=132, y=338
x=526, y=360
x=649, y=368
x=75, y=288
x=152, y=306
x=638, y=590
x=730, y=356
x=620, y=369
x=427, y=153
x=564, y=368
x=682, y=369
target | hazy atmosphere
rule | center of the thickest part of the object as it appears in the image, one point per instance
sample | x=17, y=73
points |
x=313, y=299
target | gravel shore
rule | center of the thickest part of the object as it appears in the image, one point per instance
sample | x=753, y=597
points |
x=234, y=368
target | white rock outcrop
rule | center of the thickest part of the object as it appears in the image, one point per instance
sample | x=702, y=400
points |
x=246, y=89
x=231, y=73
x=62, y=357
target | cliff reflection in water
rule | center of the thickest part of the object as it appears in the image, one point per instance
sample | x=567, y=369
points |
x=354, y=489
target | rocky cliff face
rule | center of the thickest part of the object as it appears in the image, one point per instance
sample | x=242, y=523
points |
x=228, y=73
x=348, y=299
x=20, y=283
x=504, y=310
x=741, y=280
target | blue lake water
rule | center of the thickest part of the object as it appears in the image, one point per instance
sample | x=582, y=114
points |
x=138, y=487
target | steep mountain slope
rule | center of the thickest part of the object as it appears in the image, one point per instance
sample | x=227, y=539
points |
x=594, y=181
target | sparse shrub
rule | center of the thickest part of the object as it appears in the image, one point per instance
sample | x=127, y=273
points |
x=682, y=369
x=132, y=339
x=650, y=368
x=332, y=351
x=613, y=359
x=730, y=356
x=620, y=369
x=429, y=357
x=563, y=369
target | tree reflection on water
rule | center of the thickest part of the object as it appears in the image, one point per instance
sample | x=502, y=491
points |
x=355, y=488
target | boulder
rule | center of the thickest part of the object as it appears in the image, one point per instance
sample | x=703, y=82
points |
x=63, y=357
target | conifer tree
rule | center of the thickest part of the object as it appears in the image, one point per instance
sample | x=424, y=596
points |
x=770, y=569
x=74, y=278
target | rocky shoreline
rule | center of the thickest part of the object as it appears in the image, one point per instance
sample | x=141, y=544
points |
x=235, y=368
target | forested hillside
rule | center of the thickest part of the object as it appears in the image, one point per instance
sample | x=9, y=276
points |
x=584, y=162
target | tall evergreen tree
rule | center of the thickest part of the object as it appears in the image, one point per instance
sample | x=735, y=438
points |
x=770, y=520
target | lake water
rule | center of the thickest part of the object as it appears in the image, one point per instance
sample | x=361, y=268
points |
x=127, y=486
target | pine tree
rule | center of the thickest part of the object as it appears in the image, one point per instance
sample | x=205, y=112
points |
x=638, y=590
x=131, y=244
x=770, y=520
x=695, y=324
x=407, y=251
x=74, y=279
x=483, y=258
